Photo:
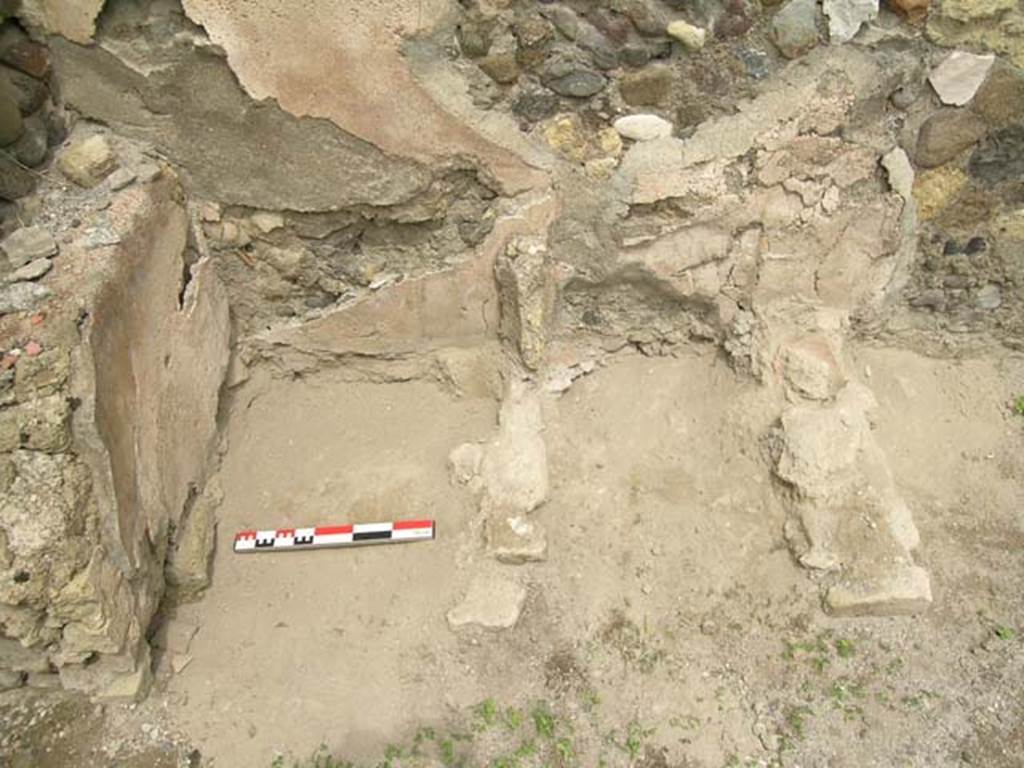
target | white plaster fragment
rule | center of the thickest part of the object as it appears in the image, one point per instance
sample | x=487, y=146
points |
x=845, y=17
x=901, y=172
x=959, y=76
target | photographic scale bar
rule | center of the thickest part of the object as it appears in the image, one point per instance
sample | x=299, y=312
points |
x=334, y=536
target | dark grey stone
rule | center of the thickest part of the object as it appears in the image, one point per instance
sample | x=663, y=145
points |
x=28, y=92
x=565, y=20
x=1000, y=157
x=32, y=147
x=795, y=27
x=31, y=271
x=933, y=299
x=28, y=244
x=15, y=180
x=474, y=37
x=534, y=106
x=635, y=55
x=11, y=123
x=648, y=18
x=904, y=96
x=580, y=84
x=755, y=61
x=603, y=53
x=975, y=245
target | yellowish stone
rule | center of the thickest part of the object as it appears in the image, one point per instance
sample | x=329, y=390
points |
x=567, y=135
x=610, y=142
x=690, y=36
x=935, y=189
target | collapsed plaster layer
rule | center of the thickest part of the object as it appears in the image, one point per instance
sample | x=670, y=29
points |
x=359, y=80
x=362, y=83
x=113, y=430
x=250, y=153
x=748, y=221
x=283, y=267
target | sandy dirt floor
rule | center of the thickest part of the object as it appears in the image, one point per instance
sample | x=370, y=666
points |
x=669, y=603
x=669, y=625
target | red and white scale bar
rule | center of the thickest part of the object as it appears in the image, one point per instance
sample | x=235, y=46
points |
x=334, y=536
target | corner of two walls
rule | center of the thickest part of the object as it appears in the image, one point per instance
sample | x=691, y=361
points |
x=148, y=375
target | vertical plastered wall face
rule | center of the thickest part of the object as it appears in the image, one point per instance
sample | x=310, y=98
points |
x=148, y=374
x=125, y=368
x=156, y=368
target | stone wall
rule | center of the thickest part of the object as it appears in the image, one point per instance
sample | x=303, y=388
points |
x=385, y=161
x=107, y=424
x=452, y=190
x=31, y=122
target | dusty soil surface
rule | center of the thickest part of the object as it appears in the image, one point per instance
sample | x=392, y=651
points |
x=769, y=205
x=59, y=730
x=669, y=625
x=328, y=643
x=669, y=612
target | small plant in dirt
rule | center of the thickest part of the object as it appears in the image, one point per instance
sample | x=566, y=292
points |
x=490, y=734
x=685, y=722
x=843, y=690
x=422, y=737
x=844, y=648
x=543, y=721
x=894, y=666
x=1003, y=633
x=920, y=701
x=321, y=758
x=591, y=701
x=632, y=741
x=815, y=651
x=1018, y=405
x=447, y=748
x=565, y=751
x=486, y=713
x=512, y=719
x=845, y=695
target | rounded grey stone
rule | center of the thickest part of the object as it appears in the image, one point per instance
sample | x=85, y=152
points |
x=580, y=84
